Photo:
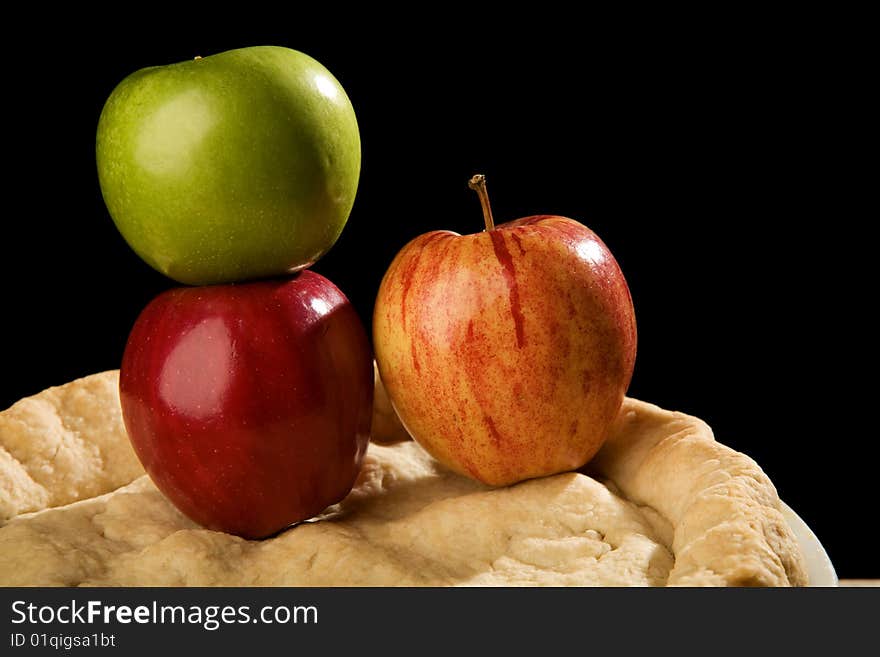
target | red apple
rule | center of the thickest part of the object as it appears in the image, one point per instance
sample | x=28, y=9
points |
x=506, y=353
x=249, y=405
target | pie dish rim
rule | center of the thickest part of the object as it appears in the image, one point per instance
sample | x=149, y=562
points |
x=820, y=569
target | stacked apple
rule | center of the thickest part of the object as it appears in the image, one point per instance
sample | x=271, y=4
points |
x=247, y=398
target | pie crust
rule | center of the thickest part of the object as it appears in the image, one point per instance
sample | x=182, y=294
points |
x=663, y=503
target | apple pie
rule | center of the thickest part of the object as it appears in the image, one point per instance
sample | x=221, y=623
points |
x=662, y=504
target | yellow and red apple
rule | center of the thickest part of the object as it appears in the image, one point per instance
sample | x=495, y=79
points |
x=506, y=353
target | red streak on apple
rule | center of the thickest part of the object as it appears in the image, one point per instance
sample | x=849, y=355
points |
x=493, y=430
x=407, y=276
x=506, y=261
x=519, y=244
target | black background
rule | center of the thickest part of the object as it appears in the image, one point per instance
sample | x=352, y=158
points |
x=719, y=160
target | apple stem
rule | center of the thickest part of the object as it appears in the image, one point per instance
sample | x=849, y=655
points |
x=478, y=184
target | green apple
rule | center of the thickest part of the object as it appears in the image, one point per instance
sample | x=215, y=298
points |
x=240, y=165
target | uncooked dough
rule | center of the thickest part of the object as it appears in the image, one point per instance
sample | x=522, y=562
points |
x=662, y=504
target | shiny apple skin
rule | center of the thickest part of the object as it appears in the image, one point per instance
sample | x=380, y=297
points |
x=234, y=166
x=249, y=405
x=507, y=354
